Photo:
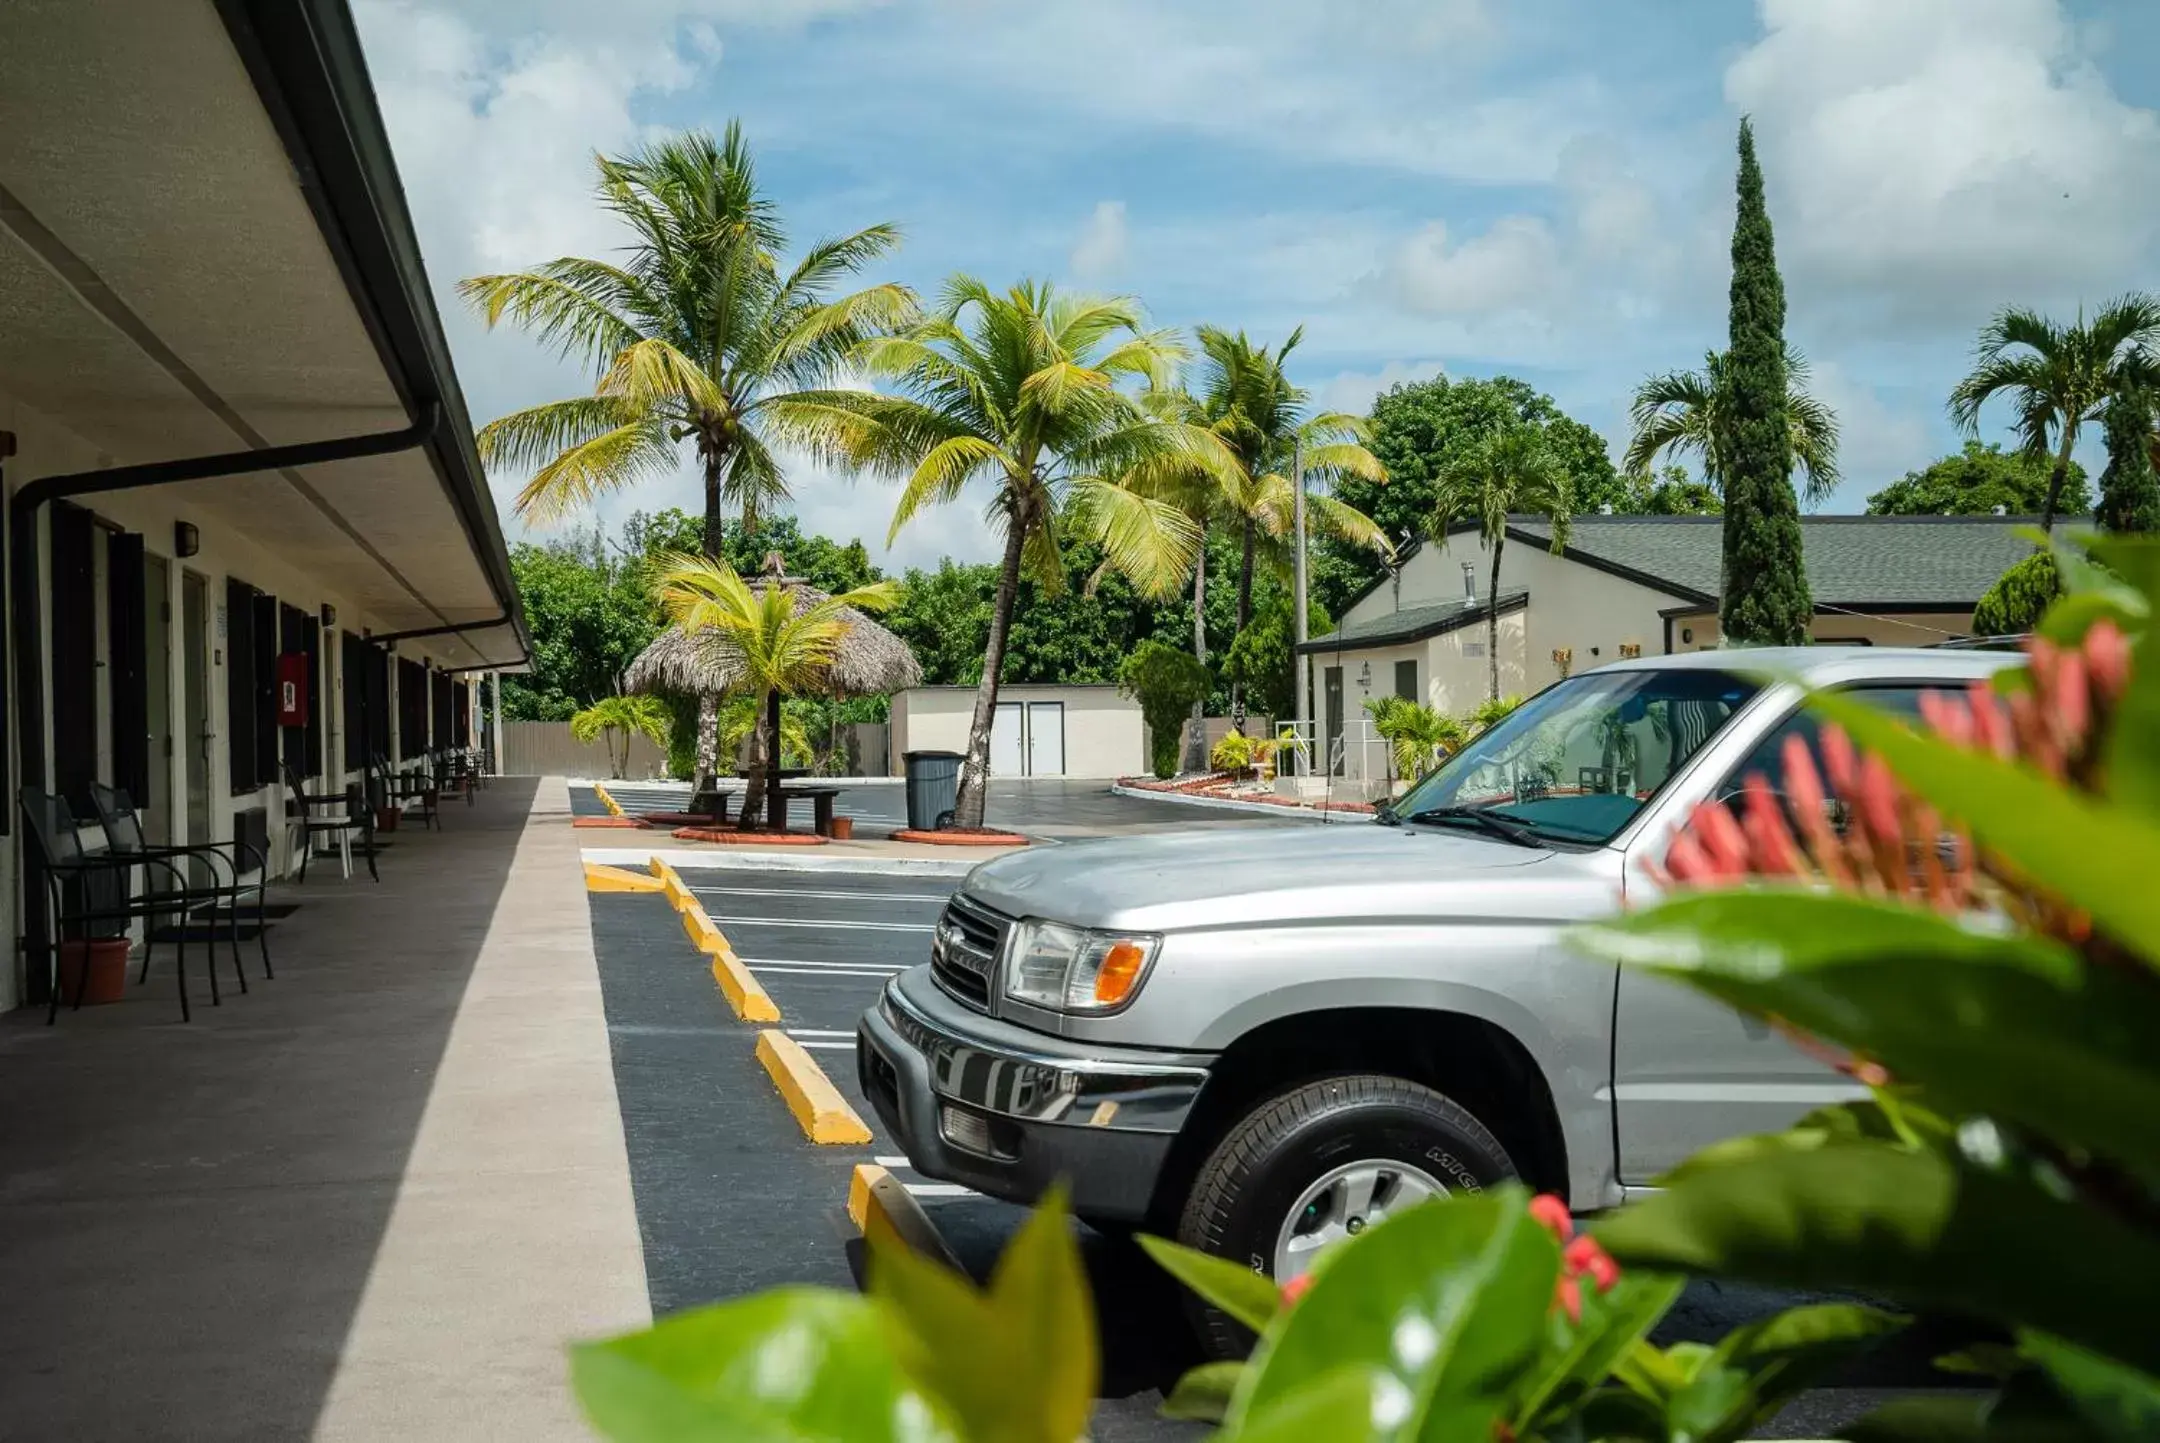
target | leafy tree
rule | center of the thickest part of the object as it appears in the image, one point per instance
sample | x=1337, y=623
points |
x=1168, y=683
x=1671, y=492
x=1418, y=430
x=1019, y=391
x=783, y=648
x=2019, y=597
x=2129, y=492
x=1978, y=480
x=1766, y=591
x=2059, y=377
x=1510, y=472
x=1263, y=659
x=1691, y=413
x=1240, y=392
x=616, y=719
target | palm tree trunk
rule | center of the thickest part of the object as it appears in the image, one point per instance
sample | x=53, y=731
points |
x=1196, y=752
x=754, y=788
x=975, y=767
x=2057, y=477
x=1244, y=619
x=1492, y=617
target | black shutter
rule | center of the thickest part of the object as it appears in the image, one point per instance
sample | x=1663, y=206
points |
x=128, y=663
x=240, y=686
x=266, y=650
x=74, y=656
x=318, y=697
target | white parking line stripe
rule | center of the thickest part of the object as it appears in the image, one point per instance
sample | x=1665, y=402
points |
x=821, y=896
x=820, y=922
x=784, y=971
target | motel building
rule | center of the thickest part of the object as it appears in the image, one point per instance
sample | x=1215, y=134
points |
x=248, y=538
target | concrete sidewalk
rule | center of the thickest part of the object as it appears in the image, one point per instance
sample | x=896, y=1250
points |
x=370, y=1200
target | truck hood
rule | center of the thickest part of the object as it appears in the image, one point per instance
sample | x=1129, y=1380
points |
x=1172, y=881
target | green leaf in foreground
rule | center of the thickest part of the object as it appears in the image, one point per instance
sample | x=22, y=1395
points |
x=1912, y=1226
x=1448, y=1298
x=2098, y=858
x=795, y=1365
x=1245, y=1295
x=1017, y=1362
x=2017, y=1028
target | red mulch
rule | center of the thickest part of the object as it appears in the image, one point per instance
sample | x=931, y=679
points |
x=729, y=837
x=630, y=822
x=1206, y=787
x=957, y=837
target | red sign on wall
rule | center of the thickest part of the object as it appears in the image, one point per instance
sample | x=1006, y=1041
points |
x=292, y=689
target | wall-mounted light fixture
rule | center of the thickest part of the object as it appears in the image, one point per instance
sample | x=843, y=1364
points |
x=186, y=540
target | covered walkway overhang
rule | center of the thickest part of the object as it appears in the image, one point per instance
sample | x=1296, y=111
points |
x=204, y=249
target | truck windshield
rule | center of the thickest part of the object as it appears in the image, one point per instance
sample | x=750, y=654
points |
x=1575, y=762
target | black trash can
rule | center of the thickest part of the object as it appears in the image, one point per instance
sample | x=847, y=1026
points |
x=933, y=788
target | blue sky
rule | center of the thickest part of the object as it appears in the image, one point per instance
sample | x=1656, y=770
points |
x=1541, y=187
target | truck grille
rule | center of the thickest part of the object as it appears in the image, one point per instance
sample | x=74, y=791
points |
x=964, y=952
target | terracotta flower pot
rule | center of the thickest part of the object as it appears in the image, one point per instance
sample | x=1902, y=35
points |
x=105, y=959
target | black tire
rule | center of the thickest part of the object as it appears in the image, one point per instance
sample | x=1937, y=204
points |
x=1245, y=1189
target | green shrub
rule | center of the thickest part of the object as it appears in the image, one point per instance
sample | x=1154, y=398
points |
x=2015, y=603
x=1168, y=683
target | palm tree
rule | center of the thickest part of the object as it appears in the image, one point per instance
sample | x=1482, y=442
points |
x=785, y=643
x=622, y=717
x=2059, y=377
x=694, y=336
x=1020, y=391
x=1240, y=392
x=1682, y=412
x=1511, y=472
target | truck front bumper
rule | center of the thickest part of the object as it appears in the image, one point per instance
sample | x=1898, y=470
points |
x=1008, y=1111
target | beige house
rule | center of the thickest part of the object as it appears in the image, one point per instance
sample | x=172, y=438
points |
x=1039, y=731
x=1625, y=586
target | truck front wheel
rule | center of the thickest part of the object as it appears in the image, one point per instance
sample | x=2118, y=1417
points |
x=1323, y=1162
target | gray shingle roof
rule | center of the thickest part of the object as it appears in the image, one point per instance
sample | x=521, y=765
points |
x=1413, y=623
x=1874, y=561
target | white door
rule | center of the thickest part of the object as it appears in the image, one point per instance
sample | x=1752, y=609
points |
x=1046, y=738
x=1008, y=740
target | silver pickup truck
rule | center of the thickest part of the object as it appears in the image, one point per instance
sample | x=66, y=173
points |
x=1260, y=1041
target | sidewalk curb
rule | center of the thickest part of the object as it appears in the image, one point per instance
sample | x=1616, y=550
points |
x=819, y=1109
x=883, y=1210
x=690, y=861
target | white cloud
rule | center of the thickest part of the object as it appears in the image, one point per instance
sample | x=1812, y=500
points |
x=1931, y=160
x=1100, y=251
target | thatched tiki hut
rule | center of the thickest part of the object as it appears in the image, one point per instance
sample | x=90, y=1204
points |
x=870, y=661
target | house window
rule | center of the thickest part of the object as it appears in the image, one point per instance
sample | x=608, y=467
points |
x=1406, y=680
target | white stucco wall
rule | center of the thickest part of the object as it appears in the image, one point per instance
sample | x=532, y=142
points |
x=46, y=448
x=1104, y=736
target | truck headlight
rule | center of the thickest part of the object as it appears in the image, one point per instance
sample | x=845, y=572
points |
x=1072, y=969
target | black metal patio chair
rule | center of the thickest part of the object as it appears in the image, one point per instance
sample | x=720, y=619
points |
x=348, y=813
x=102, y=883
x=227, y=863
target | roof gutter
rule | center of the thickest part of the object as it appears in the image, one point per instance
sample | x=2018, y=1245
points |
x=305, y=60
x=26, y=584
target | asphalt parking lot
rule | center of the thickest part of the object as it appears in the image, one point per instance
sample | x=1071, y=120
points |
x=732, y=1198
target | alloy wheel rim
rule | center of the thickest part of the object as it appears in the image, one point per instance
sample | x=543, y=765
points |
x=1343, y=1202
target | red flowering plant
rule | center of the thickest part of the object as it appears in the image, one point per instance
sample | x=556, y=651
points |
x=1966, y=917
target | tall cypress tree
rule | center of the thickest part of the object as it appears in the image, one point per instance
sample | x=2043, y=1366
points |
x=2129, y=491
x=1766, y=592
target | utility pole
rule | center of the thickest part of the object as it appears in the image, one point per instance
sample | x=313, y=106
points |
x=1301, y=664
